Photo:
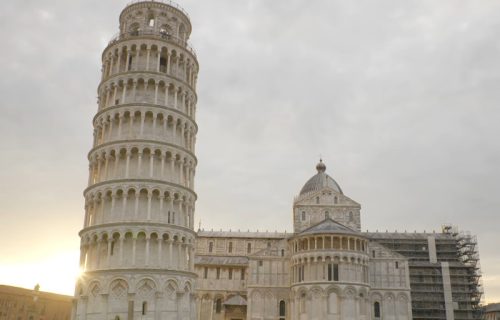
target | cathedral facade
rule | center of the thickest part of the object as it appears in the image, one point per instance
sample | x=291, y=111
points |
x=326, y=269
x=143, y=260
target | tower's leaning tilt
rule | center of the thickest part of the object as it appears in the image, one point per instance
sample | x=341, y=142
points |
x=137, y=243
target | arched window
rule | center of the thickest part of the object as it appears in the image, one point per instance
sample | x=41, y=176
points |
x=351, y=216
x=130, y=61
x=335, y=200
x=134, y=29
x=230, y=247
x=249, y=248
x=166, y=29
x=362, y=306
x=282, y=252
x=333, y=303
x=151, y=21
x=303, y=215
x=376, y=309
x=333, y=272
x=282, y=310
x=112, y=249
x=182, y=31
x=163, y=65
x=117, y=318
x=301, y=273
x=210, y=247
x=302, y=305
x=327, y=215
x=218, y=306
x=144, y=308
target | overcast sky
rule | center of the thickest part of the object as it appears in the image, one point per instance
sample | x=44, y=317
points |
x=400, y=98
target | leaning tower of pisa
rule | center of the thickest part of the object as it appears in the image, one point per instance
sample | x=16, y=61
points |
x=137, y=243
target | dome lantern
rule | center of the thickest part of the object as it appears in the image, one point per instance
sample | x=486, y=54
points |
x=320, y=180
x=321, y=166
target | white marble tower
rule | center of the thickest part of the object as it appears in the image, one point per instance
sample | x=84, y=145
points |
x=137, y=243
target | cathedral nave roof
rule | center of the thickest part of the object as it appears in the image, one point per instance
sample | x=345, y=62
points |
x=329, y=226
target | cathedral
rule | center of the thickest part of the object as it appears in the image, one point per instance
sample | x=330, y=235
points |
x=142, y=258
x=325, y=269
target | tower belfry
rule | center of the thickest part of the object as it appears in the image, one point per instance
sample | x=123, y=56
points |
x=137, y=243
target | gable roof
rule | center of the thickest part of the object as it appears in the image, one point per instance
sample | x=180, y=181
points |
x=272, y=251
x=236, y=300
x=329, y=226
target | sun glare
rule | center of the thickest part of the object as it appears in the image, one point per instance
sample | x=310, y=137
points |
x=57, y=273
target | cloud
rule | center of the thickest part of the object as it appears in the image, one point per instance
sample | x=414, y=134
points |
x=400, y=98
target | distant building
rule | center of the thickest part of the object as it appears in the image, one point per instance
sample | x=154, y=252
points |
x=492, y=311
x=24, y=304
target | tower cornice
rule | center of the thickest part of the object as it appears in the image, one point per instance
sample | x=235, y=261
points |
x=143, y=182
x=146, y=74
x=178, y=43
x=130, y=224
x=146, y=107
x=133, y=142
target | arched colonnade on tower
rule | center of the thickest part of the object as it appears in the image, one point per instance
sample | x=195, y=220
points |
x=156, y=204
x=139, y=122
x=148, y=89
x=142, y=160
x=151, y=56
x=146, y=247
x=149, y=297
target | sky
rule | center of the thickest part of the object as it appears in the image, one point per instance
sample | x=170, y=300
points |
x=399, y=98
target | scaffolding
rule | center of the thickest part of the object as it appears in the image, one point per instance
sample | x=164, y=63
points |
x=459, y=250
x=468, y=255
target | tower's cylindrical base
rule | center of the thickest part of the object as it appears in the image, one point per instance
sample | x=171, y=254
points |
x=122, y=295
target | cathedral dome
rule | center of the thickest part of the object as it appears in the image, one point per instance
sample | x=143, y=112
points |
x=320, y=180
